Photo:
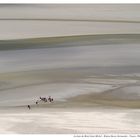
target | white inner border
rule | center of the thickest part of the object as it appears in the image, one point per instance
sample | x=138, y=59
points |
x=62, y=137
x=68, y=1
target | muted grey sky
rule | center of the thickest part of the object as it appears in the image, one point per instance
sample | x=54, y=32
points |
x=91, y=11
x=67, y=20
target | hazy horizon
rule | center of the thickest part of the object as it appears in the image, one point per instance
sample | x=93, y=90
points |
x=47, y=20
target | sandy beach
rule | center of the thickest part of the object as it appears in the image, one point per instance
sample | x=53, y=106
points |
x=70, y=121
x=88, y=63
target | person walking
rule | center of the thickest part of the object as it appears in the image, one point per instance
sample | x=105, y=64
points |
x=29, y=107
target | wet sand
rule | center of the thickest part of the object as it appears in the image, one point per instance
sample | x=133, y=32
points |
x=98, y=111
x=93, y=85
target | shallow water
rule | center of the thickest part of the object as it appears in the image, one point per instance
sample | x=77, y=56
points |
x=103, y=56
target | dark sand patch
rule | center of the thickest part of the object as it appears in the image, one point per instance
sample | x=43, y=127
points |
x=104, y=100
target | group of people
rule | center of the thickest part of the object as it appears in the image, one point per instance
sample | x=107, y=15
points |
x=44, y=99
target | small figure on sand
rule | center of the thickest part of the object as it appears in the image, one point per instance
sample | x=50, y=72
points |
x=36, y=102
x=50, y=99
x=29, y=107
x=43, y=99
